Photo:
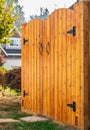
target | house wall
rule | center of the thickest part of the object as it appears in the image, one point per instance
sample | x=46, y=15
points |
x=15, y=45
x=13, y=62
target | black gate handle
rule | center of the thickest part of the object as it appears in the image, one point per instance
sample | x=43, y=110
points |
x=41, y=48
x=47, y=48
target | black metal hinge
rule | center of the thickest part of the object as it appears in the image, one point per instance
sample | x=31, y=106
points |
x=25, y=41
x=73, y=106
x=25, y=93
x=72, y=31
x=22, y=102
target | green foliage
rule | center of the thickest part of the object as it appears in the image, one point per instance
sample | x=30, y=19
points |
x=3, y=69
x=43, y=125
x=18, y=7
x=7, y=18
x=17, y=116
x=10, y=11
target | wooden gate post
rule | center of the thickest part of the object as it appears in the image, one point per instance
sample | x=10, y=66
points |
x=85, y=123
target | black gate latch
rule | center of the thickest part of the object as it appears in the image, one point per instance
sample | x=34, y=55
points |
x=72, y=31
x=73, y=106
x=25, y=40
x=25, y=93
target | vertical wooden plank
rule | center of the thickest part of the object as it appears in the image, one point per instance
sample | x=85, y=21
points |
x=34, y=63
x=41, y=66
x=73, y=44
x=44, y=70
x=48, y=53
x=37, y=67
x=79, y=62
x=64, y=54
x=86, y=63
x=60, y=59
x=30, y=64
x=58, y=69
x=23, y=68
x=55, y=60
x=52, y=66
x=27, y=67
x=89, y=67
x=25, y=73
x=46, y=66
x=26, y=78
x=53, y=49
x=82, y=64
x=69, y=68
x=84, y=90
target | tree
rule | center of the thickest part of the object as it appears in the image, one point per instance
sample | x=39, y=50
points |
x=18, y=9
x=7, y=18
x=44, y=12
x=11, y=15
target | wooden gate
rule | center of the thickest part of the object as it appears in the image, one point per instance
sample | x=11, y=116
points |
x=54, y=66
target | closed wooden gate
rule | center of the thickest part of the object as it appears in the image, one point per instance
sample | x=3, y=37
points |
x=53, y=81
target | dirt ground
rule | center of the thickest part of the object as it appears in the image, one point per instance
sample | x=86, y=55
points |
x=10, y=106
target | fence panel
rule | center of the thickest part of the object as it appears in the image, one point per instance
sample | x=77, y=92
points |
x=55, y=66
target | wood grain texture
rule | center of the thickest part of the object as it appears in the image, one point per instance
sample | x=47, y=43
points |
x=60, y=59
x=89, y=70
x=84, y=91
x=23, y=62
x=56, y=66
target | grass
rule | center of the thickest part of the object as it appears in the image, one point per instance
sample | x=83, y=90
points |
x=10, y=107
x=17, y=116
x=42, y=125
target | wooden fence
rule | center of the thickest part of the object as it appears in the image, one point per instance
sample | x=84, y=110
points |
x=56, y=66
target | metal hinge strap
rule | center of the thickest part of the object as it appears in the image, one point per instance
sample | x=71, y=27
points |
x=72, y=31
x=73, y=106
x=25, y=41
x=25, y=93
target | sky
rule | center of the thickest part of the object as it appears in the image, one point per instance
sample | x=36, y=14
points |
x=32, y=7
